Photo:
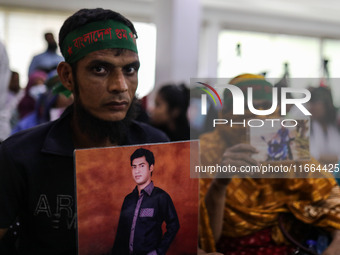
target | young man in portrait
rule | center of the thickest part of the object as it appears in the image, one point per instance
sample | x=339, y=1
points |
x=143, y=212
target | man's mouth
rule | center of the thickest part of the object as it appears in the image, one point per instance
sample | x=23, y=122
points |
x=117, y=105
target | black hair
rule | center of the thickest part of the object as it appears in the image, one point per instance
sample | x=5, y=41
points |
x=47, y=34
x=177, y=97
x=141, y=152
x=85, y=16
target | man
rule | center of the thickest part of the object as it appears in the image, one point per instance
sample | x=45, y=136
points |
x=242, y=216
x=48, y=60
x=36, y=165
x=143, y=212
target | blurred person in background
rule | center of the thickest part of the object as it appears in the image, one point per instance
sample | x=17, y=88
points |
x=199, y=123
x=253, y=215
x=34, y=88
x=141, y=110
x=14, y=95
x=5, y=77
x=49, y=107
x=324, y=133
x=14, y=85
x=170, y=112
x=48, y=60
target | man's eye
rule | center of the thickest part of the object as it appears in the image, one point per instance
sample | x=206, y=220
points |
x=99, y=69
x=130, y=70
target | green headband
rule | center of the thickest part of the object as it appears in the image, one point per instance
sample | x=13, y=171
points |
x=99, y=35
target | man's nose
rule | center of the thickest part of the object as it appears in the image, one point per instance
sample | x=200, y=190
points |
x=117, y=82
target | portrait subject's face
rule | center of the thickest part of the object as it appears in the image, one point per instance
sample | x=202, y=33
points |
x=107, y=83
x=141, y=171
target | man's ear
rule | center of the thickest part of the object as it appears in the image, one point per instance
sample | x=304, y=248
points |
x=66, y=76
x=151, y=168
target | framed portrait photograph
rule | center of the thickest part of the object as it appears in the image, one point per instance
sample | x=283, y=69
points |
x=137, y=199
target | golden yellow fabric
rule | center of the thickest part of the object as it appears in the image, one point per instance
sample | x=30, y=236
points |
x=255, y=204
x=207, y=242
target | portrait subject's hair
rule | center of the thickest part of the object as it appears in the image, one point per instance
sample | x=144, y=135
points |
x=141, y=152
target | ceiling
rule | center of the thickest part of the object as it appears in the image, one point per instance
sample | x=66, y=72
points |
x=325, y=10
x=306, y=17
x=140, y=9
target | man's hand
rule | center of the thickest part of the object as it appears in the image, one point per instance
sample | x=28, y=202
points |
x=334, y=247
x=237, y=155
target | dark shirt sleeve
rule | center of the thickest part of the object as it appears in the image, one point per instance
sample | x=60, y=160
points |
x=172, y=225
x=10, y=190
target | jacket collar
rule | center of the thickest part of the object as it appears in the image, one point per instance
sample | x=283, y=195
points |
x=59, y=138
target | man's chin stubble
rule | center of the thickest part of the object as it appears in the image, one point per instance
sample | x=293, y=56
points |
x=99, y=130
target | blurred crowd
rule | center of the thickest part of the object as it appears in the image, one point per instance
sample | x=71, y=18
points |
x=176, y=108
x=21, y=109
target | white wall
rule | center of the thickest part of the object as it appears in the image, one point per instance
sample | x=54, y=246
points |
x=316, y=18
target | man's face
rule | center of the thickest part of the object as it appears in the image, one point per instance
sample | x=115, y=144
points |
x=141, y=171
x=107, y=83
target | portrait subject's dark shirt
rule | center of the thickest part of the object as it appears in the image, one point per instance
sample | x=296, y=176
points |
x=155, y=208
x=148, y=189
